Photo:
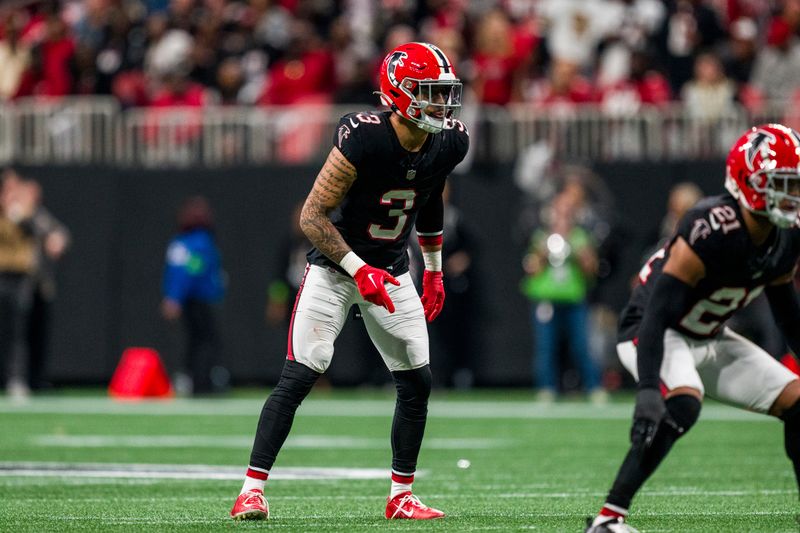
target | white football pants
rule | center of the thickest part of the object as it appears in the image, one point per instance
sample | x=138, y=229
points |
x=728, y=368
x=322, y=306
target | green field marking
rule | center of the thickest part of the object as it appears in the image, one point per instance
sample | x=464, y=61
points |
x=533, y=467
x=246, y=441
x=353, y=408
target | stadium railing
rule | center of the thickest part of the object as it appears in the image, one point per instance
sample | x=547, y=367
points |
x=6, y=131
x=95, y=130
x=77, y=130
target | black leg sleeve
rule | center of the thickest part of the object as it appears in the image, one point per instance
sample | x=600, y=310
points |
x=791, y=437
x=277, y=414
x=410, y=414
x=635, y=469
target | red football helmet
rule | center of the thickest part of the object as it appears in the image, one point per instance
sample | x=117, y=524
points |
x=763, y=172
x=420, y=83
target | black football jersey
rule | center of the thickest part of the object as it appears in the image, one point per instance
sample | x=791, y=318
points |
x=392, y=185
x=736, y=269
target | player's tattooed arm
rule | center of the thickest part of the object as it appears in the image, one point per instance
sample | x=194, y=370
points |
x=330, y=187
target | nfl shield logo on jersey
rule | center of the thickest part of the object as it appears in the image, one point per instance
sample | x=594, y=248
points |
x=411, y=174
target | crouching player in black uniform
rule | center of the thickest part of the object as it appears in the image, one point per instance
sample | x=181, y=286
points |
x=384, y=175
x=726, y=251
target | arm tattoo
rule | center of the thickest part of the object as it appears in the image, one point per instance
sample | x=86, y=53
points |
x=331, y=186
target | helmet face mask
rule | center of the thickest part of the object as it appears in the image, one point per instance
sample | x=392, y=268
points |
x=781, y=191
x=763, y=172
x=434, y=103
x=419, y=83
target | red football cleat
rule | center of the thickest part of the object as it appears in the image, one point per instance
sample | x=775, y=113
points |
x=250, y=505
x=406, y=505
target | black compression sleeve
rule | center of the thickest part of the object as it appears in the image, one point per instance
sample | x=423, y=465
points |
x=431, y=216
x=666, y=306
x=786, y=311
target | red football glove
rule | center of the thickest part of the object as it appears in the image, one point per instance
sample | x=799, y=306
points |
x=432, y=294
x=370, y=280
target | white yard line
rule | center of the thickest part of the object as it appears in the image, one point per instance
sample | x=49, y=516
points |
x=172, y=471
x=354, y=408
x=321, y=442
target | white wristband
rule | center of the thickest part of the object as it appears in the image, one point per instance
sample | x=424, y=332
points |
x=351, y=263
x=432, y=260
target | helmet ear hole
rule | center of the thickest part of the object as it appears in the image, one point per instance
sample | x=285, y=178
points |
x=394, y=93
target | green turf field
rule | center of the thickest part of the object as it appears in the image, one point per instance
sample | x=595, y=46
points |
x=77, y=462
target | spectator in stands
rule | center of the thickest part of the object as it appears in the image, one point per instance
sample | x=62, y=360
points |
x=182, y=15
x=169, y=50
x=560, y=264
x=125, y=48
x=230, y=80
x=111, y=45
x=272, y=27
x=739, y=52
x=574, y=28
x=776, y=73
x=18, y=202
x=690, y=27
x=709, y=94
x=206, y=51
x=193, y=286
x=397, y=35
x=15, y=58
x=53, y=59
x=644, y=86
x=564, y=86
x=304, y=74
x=353, y=65
x=639, y=21
x=497, y=65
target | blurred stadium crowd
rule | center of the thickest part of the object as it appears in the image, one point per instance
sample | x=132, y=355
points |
x=619, y=53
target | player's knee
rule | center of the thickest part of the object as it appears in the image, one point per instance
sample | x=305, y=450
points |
x=413, y=386
x=295, y=383
x=684, y=410
x=318, y=358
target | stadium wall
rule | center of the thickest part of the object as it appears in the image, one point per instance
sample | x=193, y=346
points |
x=122, y=219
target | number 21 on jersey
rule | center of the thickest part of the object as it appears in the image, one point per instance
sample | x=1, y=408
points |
x=708, y=314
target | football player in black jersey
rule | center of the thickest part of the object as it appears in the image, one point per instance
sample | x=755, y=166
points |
x=384, y=175
x=726, y=250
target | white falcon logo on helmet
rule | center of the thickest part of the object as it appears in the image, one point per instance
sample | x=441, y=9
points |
x=758, y=144
x=394, y=60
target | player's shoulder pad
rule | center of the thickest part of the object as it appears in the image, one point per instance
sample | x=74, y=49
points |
x=459, y=134
x=349, y=136
x=709, y=220
x=360, y=119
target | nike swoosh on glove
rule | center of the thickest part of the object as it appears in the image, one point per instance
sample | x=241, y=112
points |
x=432, y=294
x=370, y=280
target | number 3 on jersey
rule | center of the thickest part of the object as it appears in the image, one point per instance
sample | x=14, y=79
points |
x=390, y=198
